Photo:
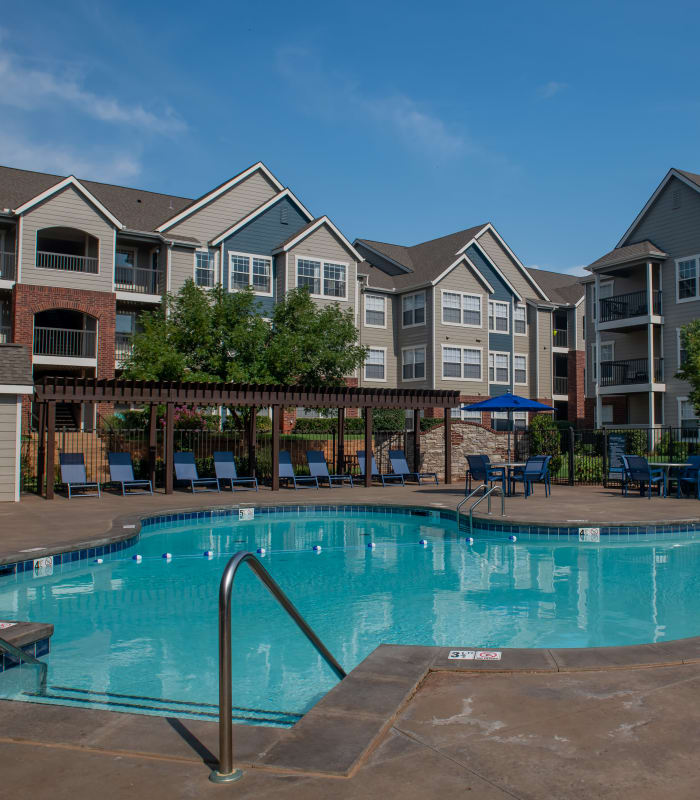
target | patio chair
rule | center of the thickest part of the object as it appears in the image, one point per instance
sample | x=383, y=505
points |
x=637, y=470
x=689, y=478
x=536, y=470
x=186, y=471
x=73, y=474
x=480, y=470
x=286, y=473
x=399, y=465
x=319, y=468
x=121, y=471
x=383, y=477
x=225, y=468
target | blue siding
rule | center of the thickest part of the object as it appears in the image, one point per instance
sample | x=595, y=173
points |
x=261, y=236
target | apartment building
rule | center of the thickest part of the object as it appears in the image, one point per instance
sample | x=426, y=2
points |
x=80, y=260
x=463, y=313
x=639, y=296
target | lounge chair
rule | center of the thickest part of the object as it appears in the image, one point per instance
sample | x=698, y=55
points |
x=637, y=470
x=225, y=468
x=399, y=465
x=186, y=471
x=689, y=478
x=383, y=477
x=73, y=474
x=480, y=470
x=121, y=471
x=319, y=468
x=536, y=470
x=286, y=473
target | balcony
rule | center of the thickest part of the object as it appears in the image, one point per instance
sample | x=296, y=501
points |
x=137, y=280
x=560, y=337
x=7, y=266
x=630, y=372
x=65, y=343
x=61, y=261
x=561, y=386
x=5, y=334
x=123, y=346
x=627, y=306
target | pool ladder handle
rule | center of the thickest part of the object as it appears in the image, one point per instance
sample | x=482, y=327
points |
x=486, y=494
x=226, y=773
x=19, y=654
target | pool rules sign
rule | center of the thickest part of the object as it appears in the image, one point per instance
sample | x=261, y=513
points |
x=474, y=655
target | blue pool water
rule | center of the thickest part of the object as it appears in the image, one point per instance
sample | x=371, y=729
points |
x=143, y=637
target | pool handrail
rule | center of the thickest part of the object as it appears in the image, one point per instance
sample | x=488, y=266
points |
x=28, y=658
x=226, y=773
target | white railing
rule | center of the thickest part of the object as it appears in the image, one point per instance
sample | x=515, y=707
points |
x=68, y=263
x=7, y=266
x=64, y=342
x=136, y=279
x=5, y=334
x=123, y=346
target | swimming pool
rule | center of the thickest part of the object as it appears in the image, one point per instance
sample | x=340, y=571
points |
x=142, y=637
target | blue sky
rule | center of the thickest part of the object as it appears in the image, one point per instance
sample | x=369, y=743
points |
x=553, y=120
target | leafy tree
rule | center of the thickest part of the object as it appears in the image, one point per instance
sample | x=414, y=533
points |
x=690, y=368
x=545, y=440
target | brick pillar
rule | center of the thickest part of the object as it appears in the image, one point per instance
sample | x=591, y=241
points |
x=577, y=409
x=289, y=419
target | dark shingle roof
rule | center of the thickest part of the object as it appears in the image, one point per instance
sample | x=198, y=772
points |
x=630, y=252
x=137, y=209
x=296, y=233
x=691, y=176
x=559, y=287
x=15, y=367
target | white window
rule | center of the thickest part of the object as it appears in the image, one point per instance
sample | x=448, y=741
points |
x=375, y=311
x=520, y=369
x=462, y=363
x=682, y=352
x=607, y=415
x=607, y=353
x=465, y=415
x=322, y=278
x=499, y=367
x=687, y=418
x=250, y=270
x=204, y=264
x=413, y=363
x=459, y=308
x=498, y=316
x=413, y=309
x=375, y=369
x=409, y=419
x=687, y=284
x=125, y=257
x=606, y=290
x=501, y=420
x=520, y=320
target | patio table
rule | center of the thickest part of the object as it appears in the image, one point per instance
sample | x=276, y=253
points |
x=509, y=466
x=667, y=466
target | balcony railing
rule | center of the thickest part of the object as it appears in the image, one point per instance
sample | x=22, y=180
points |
x=561, y=385
x=625, y=373
x=123, y=345
x=136, y=279
x=64, y=342
x=560, y=337
x=5, y=334
x=625, y=306
x=67, y=263
x=7, y=266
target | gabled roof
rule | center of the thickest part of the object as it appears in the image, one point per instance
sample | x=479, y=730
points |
x=631, y=252
x=15, y=370
x=64, y=184
x=561, y=288
x=307, y=230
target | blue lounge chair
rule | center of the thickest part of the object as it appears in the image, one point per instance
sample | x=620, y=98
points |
x=637, y=470
x=186, y=471
x=287, y=473
x=689, y=478
x=536, y=470
x=388, y=476
x=225, y=468
x=481, y=471
x=73, y=474
x=121, y=471
x=319, y=468
x=399, y=465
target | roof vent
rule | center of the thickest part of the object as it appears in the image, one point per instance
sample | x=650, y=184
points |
x=138, y=199
x=283, y=214
x=676, y=198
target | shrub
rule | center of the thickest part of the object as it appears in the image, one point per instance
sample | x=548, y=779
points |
x=637, y=442
x=670, y=449
x=389, y=419
x=328, y=425
x=428, y=423
x=545, y=440
x=588, y=470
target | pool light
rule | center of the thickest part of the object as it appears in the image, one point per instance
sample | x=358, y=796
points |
x=424, y=542
x=371, y=545
x=513, y=538
x=469, y=540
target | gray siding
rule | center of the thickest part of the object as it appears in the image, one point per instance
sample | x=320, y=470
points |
x=544, y=329
x=503, y=260
x=181, y=267
x=382, y=337
x=8, y=446
x=67, y=209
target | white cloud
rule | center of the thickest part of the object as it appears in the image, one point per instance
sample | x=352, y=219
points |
x=551, y=88
x=32, y=89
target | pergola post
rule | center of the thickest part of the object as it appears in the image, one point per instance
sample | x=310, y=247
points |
x=368, y=447
x=41, y=452
x=448, y=445
x=340, y=461
x=416, y=439
x=50, y=447
x=252, y=440
x=169, y=447
x=152, y=442
x=276, y=421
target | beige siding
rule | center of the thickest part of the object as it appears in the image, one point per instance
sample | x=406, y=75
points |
x=502, y=259
x=578, y=313
x=181, y=267
x=544, y=330
x=381, y=337
x=218, y=215
x=68, y=209
x=535, y=351
x=8, y=446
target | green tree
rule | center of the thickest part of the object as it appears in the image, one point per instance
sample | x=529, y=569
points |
x=690, y=368
x=545, y=440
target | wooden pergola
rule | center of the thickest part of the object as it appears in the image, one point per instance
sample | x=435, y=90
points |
x=154, y=393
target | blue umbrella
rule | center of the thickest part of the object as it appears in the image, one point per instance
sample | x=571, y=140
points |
x=508, y=402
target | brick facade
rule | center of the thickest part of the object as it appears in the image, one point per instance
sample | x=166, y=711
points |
x=619, y=404
x=577, y=389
